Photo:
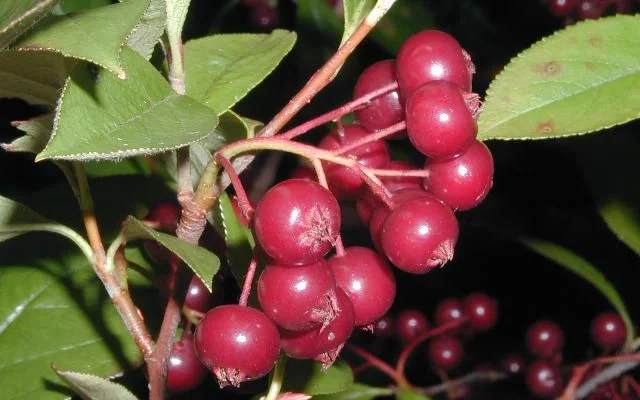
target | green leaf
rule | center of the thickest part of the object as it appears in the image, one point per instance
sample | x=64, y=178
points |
x=308, y=376
x=357, y=391
x=17, y=16
x=94, y=387
x=402, y=20
x=202, y=262
x=587, y=271
x=602, y=159
x=222, y=69
x=148, y=31
x=33, y=77
x=355, y=11
x=37, y=133
x=14, y=214
x=579, y=80
x=176, y=15
x=406, y=394
x=128, y=166
x=103, y=117
x=69, y=6
x=97, y=35
x=57, y=312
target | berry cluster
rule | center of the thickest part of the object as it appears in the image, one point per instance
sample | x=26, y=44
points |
x=589, y=9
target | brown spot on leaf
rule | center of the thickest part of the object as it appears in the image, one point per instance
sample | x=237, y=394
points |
x=545, y=128
x=590, y=65
x=506, y=100
x=595, y=41
x=549, y=68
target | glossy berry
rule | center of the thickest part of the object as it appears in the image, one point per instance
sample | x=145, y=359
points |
x=564, y=8
x=439, y=122
x=298, y=297
x=544, y=379
x=420, y=235
x=265, y=17
x=322, y=344
x=609, y=331
x=482, y=311
x=367, y=279
x=198, y=297
x=382, y=111
x=448, y=310
x=297, y=221
x=411, y=324
x=513, y=364
x=345, y=183
x=384, y=327
x=462, y=182
x=591, y=9
x=366, y=203
x=166, y=216
x=184, y=369
x=237, y=343
x=445, y=352
x=429, y=56
x=545, y=339
x=304, y=173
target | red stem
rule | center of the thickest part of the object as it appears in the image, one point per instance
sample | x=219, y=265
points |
x=248, y=281
x=381, y=134
x=243, y=199
x=377, y=187
x=379, y=364
x=417, y=173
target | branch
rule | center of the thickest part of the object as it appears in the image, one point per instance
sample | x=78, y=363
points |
x=478, y=376
x=604, y=376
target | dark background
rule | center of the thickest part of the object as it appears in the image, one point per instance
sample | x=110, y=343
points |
x=539, y=189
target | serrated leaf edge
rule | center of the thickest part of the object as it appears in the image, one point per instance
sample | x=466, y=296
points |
x=60, y=373
x=20, y=19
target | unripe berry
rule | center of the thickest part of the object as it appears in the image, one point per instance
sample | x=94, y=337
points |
x=445, y=352
x=184, y=369
x=297, y=222
x=609, y=331
x=411, y=324
x=545, y=339
x=544, y=379
x=382, y=111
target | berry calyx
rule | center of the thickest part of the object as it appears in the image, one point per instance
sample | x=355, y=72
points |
x=482, y=311
x=608, y=331
x=297, y=221
x=367, y=280
x=298, y=297
x=445, y=352
x=545, y=339
x=411, y=324
x=198, y=297
x=544, y=379
x=440, y=124
x=237, y=343
x=382, y=111
x=184, y=369
x=420, y=235
x=345, y=183
x=322, y=343
x=462, y=182
x=430, y=56
x=449, y=310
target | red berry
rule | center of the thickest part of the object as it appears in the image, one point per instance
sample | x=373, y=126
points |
x=544, y=379
x=564, y=8
x=345, y=182
x=366, y=203
x=384, y=327
x=439, y=122
x=591, y=9
x=297, y=221
x=184, y=369
x=445, y=352
x=304, y=173
x=383, y=111
x=411, y=324
x=420, y=235
x=429, y=56
x=166, y=216
x=298, y=297
x=609, y=331
x=482, y=311
x=264, y=17
x=322, y=343
x=545, y=339
x=449, y=310
x=462, y=182
x=237, y=343
x=198, y=297
x=513, y=364
x=368, y=281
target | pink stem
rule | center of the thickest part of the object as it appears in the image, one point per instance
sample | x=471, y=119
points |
x=243, y=199
x=379, y=364
x=386, y=132
x=417, y=173
x=248, y=281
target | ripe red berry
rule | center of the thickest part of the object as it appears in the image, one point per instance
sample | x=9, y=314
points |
x=429, y=56
x=297, y=221
x=411, y=324
x=383, y=111
x=544, y=379
x=184, y=369
x=384, y=327
x=198, y=297
x=445, y=352
x=449, y=310
x=462, y=182
x=265, y=17
x=298, y=297
x=564, y=8
x=368, y=281
x=439, y=122
x=420, y=235
x=591, y=9
x=304, y=173
x=609, y=331
x=545, y=338
x=482, y=311
x=166, y=216
x=344, y=182
x=513, y=364
x=322, y=343
x=237, y=343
